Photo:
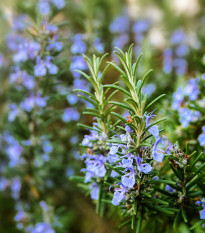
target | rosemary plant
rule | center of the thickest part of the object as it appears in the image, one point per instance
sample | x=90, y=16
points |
x=124, y=160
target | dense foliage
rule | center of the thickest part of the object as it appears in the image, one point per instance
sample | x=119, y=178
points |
x=107, y=99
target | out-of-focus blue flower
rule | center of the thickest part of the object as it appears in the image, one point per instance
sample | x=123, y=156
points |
x=40, y=67
x=47, y=146
x=29, y=102
x=81, y=84
x=54, y=44
x=77, y=63
x=19, y=216
x=42, y=228
x=170, y=189
x=3, y=183
x=181, y=65
x=49, y=28
x=120, y=41
x=178, y=37
x=178, y=98
x=149, y=89
x=167, y=60
x=43, y=205
x=94, y=191
x=70, y=114
x=120, y=24
x=72, y=99
x=13, y=112
x=14, y=151
x=186, y=116
x=98, y=45
x=19, y=23
x=21, y=77
x=69, y=172
x=191, y=89
x=201, y=137
x=202, y=214
x=182, y=50
x=58, y=3
x=16, y=187
x=52, y=69
x=78, y=45
x=44, y=7
x=26, y=50
x=74, y=140
x=141, y=26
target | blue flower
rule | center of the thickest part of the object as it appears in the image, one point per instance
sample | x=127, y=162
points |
x=181, y=65
x=77, y=63
x=177, y=37
x=191, y=89
x=43, y=205
x=13, y=112
x=167, y=60
x=70, y=114
x=114, y=149
x=94, y=191
x=186, y=116
x=128, y=129
x=157, y=154
x=47, y=146
x=72, y=99
x=119, y=195
x=141, y=26
x=39, y=68
x=182, y=50
x=153, y=130
x=42, y=228
x=79, y=45
x=44, y=7
x=94, y=166
x=201, y=137
x=143, y=167
x=128, y=180
x=54, y=44
x=120, y=41
x=98, y=45
x=170, y=189
x=202, y=214
x=120, y=24
x=16, y=187
x=58, y=3
x=178, y=98
x=149, y=89
x=52, y=69
x=3, y=183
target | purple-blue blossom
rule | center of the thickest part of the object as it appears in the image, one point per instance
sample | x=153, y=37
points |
x=119, y=194
x=42, y=227
x=78, y=46
x=191, y=89
x=201, y=137
x=70, y=114
x=128, y=180
x=169, y=189
x=94, y=191
x=120, y=24
x=143, y=167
